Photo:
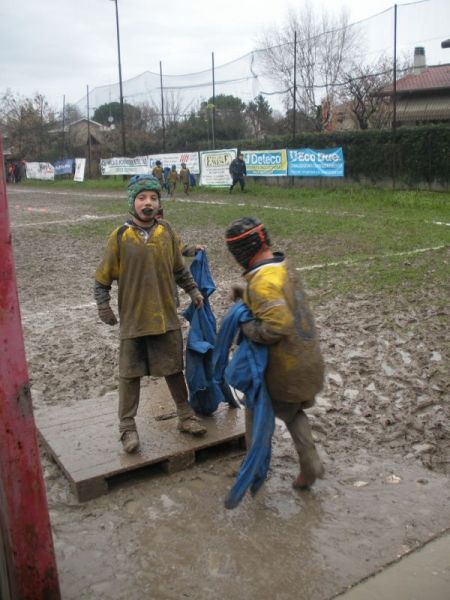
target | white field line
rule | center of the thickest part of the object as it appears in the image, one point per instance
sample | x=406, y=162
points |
x=68, y=221
x=369, y=258
x=188, y=201
x=44, y=313
x=271, y=206
x=50, y=193
x=438, y=223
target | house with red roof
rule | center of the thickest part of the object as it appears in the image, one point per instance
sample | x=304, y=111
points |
x=423, y=96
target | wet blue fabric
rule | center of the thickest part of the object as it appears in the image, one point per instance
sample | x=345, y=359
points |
x=246, y=372
x=205, y=394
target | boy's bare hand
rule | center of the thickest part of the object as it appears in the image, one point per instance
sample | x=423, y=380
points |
x=198, y=301
x=237, y=292
x=106, y=314
x=199, y=247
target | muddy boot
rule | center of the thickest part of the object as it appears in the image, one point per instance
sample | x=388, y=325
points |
x=130, y=441
x=192, y=425
x=187, y=421
x=311, y=466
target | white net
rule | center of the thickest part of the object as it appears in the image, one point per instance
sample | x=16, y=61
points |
x=372, y=42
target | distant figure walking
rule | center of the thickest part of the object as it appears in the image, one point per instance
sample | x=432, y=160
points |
x=238, y=170
x=158, y=172
x=185, y=178
x=172, y=178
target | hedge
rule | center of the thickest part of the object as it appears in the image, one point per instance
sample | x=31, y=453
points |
x=419, y=154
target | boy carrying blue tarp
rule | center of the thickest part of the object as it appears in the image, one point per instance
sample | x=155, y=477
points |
x=283, y=322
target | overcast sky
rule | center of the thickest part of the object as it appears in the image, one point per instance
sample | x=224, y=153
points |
x=57, y=47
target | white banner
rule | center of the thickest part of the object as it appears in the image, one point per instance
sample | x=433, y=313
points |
x=215, y=167
x=38, y=170
x=124, y=166
x=189, y=158
x=80, y=165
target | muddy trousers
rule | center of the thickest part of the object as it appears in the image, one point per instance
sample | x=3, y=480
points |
x=129, y=392
x=298, y=426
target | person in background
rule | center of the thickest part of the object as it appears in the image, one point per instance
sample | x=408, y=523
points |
x=158, y=172
x=238, y=171
x=283, y=322
x=172, y=178
x=144, y=257
x=185, y=178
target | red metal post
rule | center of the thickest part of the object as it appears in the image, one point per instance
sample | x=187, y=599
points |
x=27, y=560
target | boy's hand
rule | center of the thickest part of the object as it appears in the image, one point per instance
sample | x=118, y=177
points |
x=237, y=292
x=198, y=301
x=199, y=247
x=106, y=314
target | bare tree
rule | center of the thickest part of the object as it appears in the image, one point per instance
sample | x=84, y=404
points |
x=324, y=48
x=28, y=122
x=363, y=89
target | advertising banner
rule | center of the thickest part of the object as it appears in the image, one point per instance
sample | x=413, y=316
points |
x=265, y=163
x=80, y=165
x=64, y=167
x=305, y=162
x=38, y=170
x=124, y=166
x=214, y=167
x=189, y=158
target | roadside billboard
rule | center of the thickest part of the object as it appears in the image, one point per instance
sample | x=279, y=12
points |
x=124, y=166
x=80, y=165
x=40, y=170
x=214, y=167
x=190, y=159
x=305, y=162
x=265, y=163
x=64, y=167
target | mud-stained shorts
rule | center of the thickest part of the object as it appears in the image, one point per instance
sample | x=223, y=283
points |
x=157, y=355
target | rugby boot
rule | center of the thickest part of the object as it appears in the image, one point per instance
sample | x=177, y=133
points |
x=130, y=441
x=191, y=424
x=311, y=467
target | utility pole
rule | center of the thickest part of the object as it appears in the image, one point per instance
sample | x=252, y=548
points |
x=394, y=105
x=213, y=123
x=295, y=88
x=122, y=112
x=162, y=107
x=88, y=133
x=63, y=127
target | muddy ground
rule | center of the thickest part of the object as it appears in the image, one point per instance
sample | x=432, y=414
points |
x=381, y=424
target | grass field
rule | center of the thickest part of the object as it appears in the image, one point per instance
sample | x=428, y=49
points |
x=354, y=238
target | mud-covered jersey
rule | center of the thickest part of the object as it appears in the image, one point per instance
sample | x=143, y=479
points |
x=284, y=322
x=184, y=175
x=144, y=264
x=158, y=172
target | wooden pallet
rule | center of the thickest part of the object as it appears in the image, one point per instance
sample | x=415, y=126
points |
x=83, y=439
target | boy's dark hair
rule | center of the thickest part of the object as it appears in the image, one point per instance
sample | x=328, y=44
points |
x=245, y=237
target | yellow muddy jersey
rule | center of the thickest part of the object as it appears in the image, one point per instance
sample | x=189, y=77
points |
x=285, y=323
x=144, y=266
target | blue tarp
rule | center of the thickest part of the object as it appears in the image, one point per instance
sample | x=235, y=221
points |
x=246, y=372
x=205, y=394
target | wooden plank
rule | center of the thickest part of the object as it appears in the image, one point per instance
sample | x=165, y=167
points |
x=83, y=439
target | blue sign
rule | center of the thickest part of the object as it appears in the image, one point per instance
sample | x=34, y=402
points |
x=263, y=163
x=64, y=167
x=305, y=162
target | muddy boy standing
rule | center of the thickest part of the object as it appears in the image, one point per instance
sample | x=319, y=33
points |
x=144, y=257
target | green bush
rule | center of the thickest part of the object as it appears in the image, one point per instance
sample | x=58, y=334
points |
x=418, y=154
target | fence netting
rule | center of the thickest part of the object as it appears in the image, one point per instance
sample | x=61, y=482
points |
x=359, y=49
